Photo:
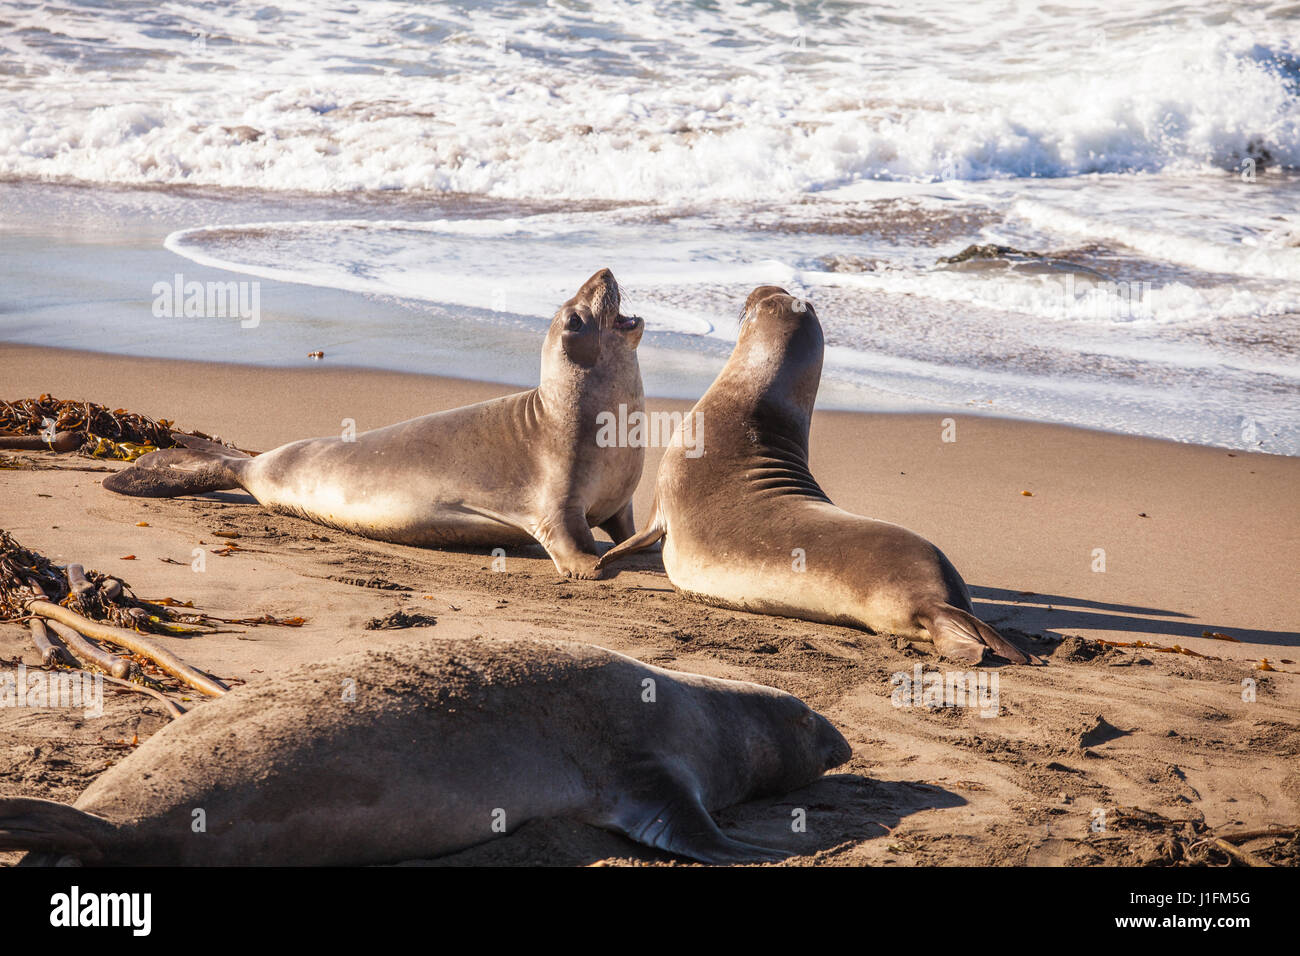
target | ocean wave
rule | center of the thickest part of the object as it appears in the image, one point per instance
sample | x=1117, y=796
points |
x=638, y=101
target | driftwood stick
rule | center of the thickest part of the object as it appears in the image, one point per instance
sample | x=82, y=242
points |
x=132, y=642
x=176, y=710
x=1245, y=835
x=1244, y=857
x=92, y=654
x=63, y=442
x=51, y=653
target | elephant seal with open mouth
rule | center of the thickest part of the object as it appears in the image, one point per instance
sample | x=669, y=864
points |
x=499, y=473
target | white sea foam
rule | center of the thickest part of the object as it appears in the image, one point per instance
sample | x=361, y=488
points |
x=638, y=101
x=1276, y=257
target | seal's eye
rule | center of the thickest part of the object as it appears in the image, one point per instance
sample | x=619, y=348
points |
x=575, y=323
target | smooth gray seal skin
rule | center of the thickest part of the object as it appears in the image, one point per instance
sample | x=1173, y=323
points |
x=739, y=520
x=498, y=473
x=443, y=740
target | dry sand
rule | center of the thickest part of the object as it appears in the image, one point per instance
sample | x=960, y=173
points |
x=1162, y=747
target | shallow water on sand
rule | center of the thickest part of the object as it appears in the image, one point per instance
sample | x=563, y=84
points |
x=464, y=286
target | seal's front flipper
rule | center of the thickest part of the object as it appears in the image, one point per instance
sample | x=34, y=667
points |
x=652, y=532
x=961, y=636
x=674, y=820
x=567, y=538
x=27, y=823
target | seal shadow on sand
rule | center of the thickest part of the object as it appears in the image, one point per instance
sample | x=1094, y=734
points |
x=836, y=809
x=1029, y=612
x=1058, y=614
x=226, y=497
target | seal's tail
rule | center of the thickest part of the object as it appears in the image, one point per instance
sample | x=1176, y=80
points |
x=962, y=636
x=201, y=466
x=27, y=823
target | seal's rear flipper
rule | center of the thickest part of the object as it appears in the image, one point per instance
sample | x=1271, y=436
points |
x=27, y=823
x=678, y=823
x=961, y=636
x=647, y=536
x=172, y=472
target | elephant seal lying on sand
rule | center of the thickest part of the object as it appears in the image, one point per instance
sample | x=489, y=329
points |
x=385, y=756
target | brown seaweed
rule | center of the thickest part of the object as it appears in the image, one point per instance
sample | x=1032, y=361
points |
x=88, y=428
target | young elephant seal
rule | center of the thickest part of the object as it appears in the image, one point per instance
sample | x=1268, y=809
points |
x=498, y=473
x=746, y=526
x=379, y=757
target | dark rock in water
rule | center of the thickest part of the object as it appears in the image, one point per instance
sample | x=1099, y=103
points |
x=400, y=619
x=991, y=251
x=1260, y=153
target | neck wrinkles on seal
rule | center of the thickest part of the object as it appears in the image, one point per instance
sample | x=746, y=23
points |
x=779, y=466
x=772, y=408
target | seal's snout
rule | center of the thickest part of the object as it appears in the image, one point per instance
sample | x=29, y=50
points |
x=605, y=300
x=603, y=297
x=837, y=748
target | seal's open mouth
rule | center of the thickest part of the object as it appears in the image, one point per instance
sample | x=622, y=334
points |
x=626, y=323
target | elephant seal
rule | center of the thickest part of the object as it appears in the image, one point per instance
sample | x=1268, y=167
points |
x=745, y=525
x=503, y=472
x=383, y=756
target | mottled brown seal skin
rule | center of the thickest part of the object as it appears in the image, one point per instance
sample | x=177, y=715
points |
x=745, y=525
x=526, y=467
x=442, y=746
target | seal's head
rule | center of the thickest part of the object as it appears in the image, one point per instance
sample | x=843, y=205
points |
x=778, y=354
x=794, y=747
x=757, y=296
x=781, y=743
x=589, y=330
